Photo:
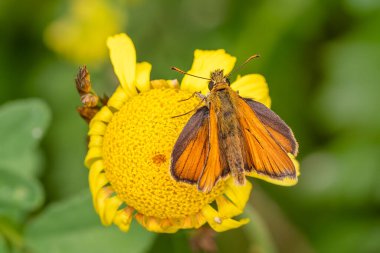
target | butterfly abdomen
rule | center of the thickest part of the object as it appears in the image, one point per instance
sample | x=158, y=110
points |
x=229, y=135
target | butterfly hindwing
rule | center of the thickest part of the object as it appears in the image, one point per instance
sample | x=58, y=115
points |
x=265, y=157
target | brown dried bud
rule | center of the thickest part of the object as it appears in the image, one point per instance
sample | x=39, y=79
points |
x=82, y=80
x=89, y=100
x=87, y=113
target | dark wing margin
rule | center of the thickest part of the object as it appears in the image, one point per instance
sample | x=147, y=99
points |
x=191, y=149
x=279, y=130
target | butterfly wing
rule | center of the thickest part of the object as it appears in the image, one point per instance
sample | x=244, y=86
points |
x=192, y=148
x=195, y=157
x=214, y=163
x=279, y=130
x=266, y=144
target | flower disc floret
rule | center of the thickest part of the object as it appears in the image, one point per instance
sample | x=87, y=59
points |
x=136, y=151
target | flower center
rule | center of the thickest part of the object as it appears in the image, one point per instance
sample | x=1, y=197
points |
x=136, y=151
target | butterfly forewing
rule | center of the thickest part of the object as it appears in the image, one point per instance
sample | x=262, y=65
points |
x=264, y=157
x=195, y=157
x=213, y=167
x=191, y=149
x=275, y=126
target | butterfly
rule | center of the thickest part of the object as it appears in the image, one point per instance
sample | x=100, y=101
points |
x=235, y=136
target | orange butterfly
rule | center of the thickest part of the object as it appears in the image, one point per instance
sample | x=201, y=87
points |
x=234, y=136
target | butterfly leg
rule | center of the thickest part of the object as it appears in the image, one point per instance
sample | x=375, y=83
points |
x=200, y=95
x=203, y=98
x=197, y=93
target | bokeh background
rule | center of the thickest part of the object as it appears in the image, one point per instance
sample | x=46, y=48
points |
x=321, y=60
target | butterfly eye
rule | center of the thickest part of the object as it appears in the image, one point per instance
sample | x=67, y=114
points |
x=211, y=85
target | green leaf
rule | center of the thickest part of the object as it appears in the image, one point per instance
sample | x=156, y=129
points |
x=19, y=192
x=22, y=125
x=27, y=163
x=73, y=226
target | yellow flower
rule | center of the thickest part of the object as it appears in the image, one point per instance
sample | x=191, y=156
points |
x=131, y=141
x=80, y=33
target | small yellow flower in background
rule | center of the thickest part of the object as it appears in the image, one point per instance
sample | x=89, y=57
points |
x=79, y=35
x=131, y=140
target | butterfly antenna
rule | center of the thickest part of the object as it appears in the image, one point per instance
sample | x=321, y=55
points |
x=185, y=73
x=244, y=63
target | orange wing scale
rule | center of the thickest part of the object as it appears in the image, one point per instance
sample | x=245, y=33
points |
x=213, y=168
x=277, y=128
x=190, y=164
x=266, y=151
x=195, y=157
x=283, y=141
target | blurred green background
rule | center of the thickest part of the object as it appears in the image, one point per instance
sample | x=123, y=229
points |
x=322, y=63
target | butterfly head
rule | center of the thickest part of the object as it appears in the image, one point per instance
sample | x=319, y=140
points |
x=217, y=77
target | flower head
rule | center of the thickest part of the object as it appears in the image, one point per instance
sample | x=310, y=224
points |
x=131, y=140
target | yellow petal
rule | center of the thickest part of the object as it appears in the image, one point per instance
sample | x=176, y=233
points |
x=97, y=128
x=123, y=58
x=226, y=208
x=228, y=224
x=96, y=141
x=239, y=195
x=93, y=154
x=104, y=115
x=143, y=76
x=185, y=222
x=168, y=226
x=111, y=206
x=193, y=221
x=287, y=181
x=173, y=83
x=206, y=61
x=161, y=83
x=253, y=86
x=153, y=224
x=123, y=218
x=296, y=163
x=118, y=98
x=218, y=223
x=97, y=182
x=100, y=200
x=199, y=220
